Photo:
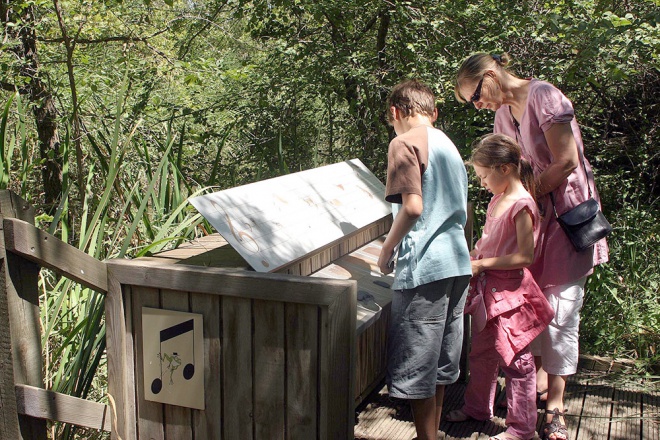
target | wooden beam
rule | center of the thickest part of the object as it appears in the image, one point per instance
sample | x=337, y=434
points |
x=227, y=282
x=29, y=242
x=43, y=404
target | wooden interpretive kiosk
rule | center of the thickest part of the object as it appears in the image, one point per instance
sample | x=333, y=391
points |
x=293, y=307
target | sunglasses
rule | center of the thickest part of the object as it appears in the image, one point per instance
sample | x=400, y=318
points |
x=477, y=92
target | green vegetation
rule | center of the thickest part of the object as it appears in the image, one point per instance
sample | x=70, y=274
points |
x=114, y=112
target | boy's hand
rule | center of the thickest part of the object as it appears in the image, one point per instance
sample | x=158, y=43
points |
x=385, y=262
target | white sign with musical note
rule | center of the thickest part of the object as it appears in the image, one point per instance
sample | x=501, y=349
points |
x=276, y=221
x=173, y=354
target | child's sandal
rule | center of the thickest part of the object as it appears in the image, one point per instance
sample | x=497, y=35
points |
x=554, y=426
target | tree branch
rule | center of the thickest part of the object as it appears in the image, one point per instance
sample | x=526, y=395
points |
x=121, y=38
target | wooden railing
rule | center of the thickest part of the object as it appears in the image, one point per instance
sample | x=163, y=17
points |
x=25, y=404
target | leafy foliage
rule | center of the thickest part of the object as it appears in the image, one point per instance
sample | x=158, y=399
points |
x=177, y=97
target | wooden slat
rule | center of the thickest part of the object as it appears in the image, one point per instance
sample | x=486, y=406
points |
x=227, y=282
x=301, y=331
x=150, y=414
x=24, y=239
x=371, y=355
x=119, y=348
x=597, y=410
x=651, y=412
x=207, y=424
x=177, y=419
x=269, y=369
x=8, y=415
x=45, y=404
x=587, y=398
x=626, y=415
x=236, y=379
x=338, y=352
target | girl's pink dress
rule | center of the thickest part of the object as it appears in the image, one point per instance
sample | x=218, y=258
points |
x=508, y=311
x=509, y=300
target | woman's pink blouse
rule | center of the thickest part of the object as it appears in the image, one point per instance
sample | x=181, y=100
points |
x=557, y=262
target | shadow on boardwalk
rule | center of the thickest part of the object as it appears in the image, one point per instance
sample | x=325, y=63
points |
x=600, y=407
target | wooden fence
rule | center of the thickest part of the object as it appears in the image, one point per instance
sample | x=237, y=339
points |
x=25, y=404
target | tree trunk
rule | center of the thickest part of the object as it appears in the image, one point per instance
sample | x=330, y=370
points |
x=45, y=113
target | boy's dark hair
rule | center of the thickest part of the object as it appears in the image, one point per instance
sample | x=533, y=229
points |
x=411, y=97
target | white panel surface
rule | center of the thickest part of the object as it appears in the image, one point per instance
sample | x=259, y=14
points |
x=276, y=221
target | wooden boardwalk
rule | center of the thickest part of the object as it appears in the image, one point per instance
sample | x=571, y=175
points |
x=600, y=407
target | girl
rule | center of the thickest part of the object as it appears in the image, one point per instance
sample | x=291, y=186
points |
x=508, y=308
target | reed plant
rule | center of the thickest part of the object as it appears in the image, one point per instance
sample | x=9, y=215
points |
x=138, y=209
x=621, y=316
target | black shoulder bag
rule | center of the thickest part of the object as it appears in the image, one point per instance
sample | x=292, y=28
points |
x=584, y=224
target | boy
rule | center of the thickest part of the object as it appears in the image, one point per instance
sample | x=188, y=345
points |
x=427, y=186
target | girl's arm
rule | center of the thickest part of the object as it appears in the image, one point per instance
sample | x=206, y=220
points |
x=411, y=209
x=525, y=255
x=564, y=157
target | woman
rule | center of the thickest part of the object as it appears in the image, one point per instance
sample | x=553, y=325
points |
x=542, y=121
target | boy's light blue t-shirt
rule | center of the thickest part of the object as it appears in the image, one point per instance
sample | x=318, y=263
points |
x=435, y=248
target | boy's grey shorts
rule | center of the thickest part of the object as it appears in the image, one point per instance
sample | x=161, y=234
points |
x=425, y=337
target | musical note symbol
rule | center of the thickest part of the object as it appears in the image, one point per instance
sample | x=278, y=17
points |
x=173, y=360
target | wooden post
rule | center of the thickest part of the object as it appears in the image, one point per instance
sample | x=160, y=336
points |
x=20, y=323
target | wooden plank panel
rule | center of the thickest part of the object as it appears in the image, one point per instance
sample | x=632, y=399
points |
x=337, y=385
x=626, y=414
x=177, y=419
x=119, y=348
x=651, y=412
x=338, y=248
x=23, y=239
x=237, y=374
x=44, y=404
x=371, y=356
x=597, y=410
x=207, y=424
x=301, y=371
x=269, y=370
x=8, y=415
x=150, y=414
x=270, y=222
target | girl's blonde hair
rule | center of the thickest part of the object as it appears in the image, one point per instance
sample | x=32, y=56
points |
x=493, y=150
x=475, y=67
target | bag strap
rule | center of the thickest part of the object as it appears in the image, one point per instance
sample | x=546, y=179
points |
x=581, y=154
